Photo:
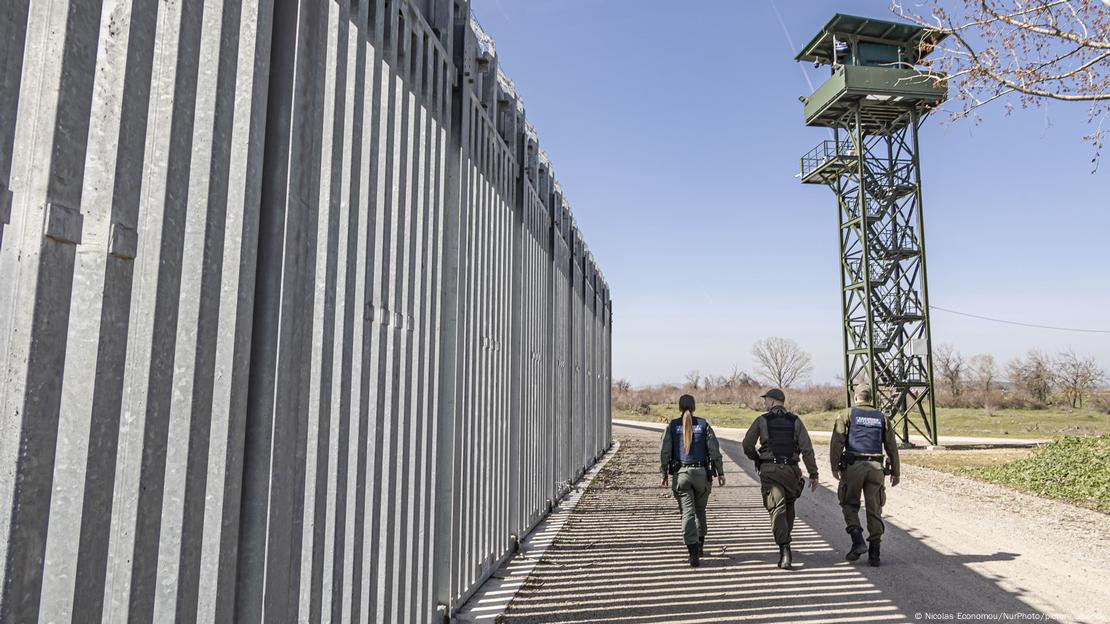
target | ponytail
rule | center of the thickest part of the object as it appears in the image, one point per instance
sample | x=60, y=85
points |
x=686, y=404
x=687, y=430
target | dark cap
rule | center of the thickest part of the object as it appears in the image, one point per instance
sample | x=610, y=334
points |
x=774, y=394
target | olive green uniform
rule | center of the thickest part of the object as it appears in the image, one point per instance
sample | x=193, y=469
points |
x=781, y=484
x=691, y=485
x=863, y=476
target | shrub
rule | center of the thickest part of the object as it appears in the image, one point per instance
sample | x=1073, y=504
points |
x=1073, y=468
x=817, y=399
x=1100, y=402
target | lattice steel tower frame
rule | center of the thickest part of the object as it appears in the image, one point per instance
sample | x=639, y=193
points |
x=874, y=104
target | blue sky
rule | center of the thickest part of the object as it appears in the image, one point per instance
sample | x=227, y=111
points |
x=676, y=135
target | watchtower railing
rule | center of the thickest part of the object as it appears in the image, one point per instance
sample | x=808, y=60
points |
x=828, y=152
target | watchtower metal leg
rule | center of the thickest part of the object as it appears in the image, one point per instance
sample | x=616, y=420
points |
x=884, y=288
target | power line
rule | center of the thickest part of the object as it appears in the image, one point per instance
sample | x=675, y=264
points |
x=1034, y=325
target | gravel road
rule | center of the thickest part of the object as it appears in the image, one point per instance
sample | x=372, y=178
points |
x=954, y=550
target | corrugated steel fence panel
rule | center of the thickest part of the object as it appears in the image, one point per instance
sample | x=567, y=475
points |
x=126, y=288
x=562, y=360
x=537, y=469
x=297, y=324
x=578, y=351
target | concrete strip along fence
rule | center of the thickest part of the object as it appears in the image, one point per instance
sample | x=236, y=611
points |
x=295, y=321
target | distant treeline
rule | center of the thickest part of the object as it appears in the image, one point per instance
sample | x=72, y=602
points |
x=1034, y=381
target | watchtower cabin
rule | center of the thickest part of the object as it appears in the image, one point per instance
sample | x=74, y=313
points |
x=874, y=87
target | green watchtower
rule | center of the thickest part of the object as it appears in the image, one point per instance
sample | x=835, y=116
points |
x=874, y=103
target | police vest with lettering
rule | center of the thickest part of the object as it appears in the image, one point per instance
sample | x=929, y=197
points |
x=780, y=433
x=865, y=431
x=698, y=453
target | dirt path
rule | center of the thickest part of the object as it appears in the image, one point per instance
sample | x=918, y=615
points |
x=952, y=547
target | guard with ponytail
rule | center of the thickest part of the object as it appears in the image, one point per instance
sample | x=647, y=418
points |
x=689, y=453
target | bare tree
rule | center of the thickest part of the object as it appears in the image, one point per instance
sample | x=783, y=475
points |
x=693, y=379
x=622, y=386
x=738, y=378
x=781, y=362
x=1033, y=375
x=712, y=382
x=983, y=372
x=1077, y=376
x=1034, y=50
x=951, y=368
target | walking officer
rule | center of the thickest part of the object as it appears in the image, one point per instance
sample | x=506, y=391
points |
x=856, y=451
x=782, y=439
x=690, y=453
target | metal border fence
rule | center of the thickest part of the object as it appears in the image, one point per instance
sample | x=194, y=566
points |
x=296, y=323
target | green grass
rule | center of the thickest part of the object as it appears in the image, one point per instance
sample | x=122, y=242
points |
x=1014, y=423
x=1071, y=468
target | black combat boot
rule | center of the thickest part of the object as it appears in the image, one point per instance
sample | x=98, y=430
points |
x=859, y=546
x=701, y=546
x=873, y=553
x=694, y=555
x=784, y=556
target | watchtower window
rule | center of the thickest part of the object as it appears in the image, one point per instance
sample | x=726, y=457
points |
x=879, y=54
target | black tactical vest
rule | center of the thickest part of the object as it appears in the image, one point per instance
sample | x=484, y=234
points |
x=780, y=431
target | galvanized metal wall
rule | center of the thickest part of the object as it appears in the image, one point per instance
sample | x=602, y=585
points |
x=295, y=321
x=134, y=142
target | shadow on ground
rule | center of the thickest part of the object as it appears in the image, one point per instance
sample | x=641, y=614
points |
x=620, y=558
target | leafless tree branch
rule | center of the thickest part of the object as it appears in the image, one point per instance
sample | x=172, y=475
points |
x=1033, y=50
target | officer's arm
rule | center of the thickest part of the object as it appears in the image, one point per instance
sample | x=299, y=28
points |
x=890, y=443
x=665, y=452
x=714, y=449
x=805, y=447
x=750, y=440
x=836, y=443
